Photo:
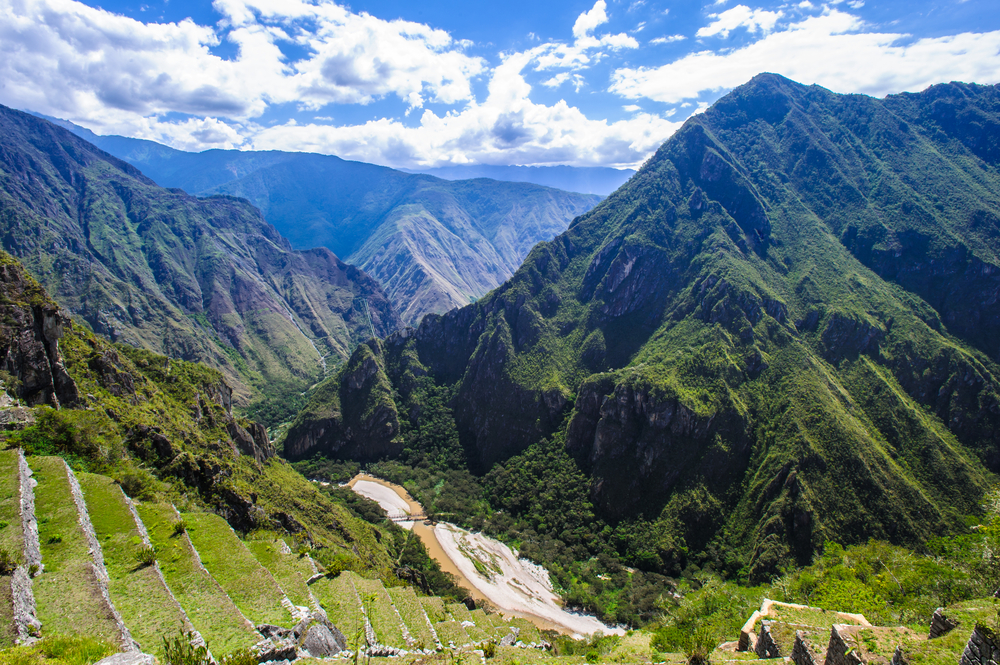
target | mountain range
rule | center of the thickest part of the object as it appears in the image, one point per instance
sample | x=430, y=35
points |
x=197, y=279
x=779, y=332
x=433, y=244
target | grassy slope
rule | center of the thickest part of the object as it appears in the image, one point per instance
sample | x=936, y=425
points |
x=136, y=590
x=338, y=598
x=290, y=571
x=11, y=537
x=245, y=581
x=66, y=592
x=211, y=612
x=413, y=615
x=380, y=611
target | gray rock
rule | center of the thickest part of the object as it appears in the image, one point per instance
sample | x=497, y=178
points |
x=270, y=650
x=273, y=632
x=320, y=641
x=940, y=624
x=128, y=658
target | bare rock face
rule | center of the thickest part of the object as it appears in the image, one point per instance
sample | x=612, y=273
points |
x=29, y=340
x=357, y=417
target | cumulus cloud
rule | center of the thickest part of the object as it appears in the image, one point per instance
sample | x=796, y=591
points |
x=507, y=128
x=831, y=50
x=588, y=21
x=65, y=58
x=740, y=16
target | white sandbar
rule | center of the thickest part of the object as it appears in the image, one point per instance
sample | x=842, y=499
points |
x=391, y=503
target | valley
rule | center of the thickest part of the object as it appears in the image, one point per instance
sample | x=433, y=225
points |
x=744, y=407
x=490, y=570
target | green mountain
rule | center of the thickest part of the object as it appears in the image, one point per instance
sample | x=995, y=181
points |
x=197, y=279
x=432, y=244
x=779, y=332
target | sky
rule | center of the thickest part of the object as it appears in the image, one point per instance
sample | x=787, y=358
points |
x=426, y=83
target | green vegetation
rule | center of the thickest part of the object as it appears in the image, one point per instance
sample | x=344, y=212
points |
x=245, y=581
x=210, y=611
x=290, y=570
x=137, y=592
x=143, y=252
x=734, y=359
x=66, y=593
x=59, y=650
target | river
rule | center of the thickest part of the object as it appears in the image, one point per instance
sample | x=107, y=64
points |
x=490, y=570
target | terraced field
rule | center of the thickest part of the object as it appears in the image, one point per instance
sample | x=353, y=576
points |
x=133, y=573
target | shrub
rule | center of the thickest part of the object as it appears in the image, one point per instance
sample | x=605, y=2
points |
x=490, y=649
x=180, y=527
x=178, y=650
x=146, y=556
x=8, y=561
x=55, y=539
x=242, y=656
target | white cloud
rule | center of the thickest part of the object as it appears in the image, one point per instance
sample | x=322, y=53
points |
x=64, y=58
x=830, y=50
x=740, y=16
x=632, y=108
x=587, y=22
x=669, y=39
x=507, y=128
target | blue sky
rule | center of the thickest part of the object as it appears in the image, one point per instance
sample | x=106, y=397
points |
x=420, y=84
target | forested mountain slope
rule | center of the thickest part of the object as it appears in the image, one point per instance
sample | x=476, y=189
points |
x=432, y=244
x=780, y=331
x=198, y=279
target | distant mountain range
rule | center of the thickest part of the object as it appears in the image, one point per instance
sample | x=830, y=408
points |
x=781, y=331
x=588, y=180
x=197, y=279
x=432, y=244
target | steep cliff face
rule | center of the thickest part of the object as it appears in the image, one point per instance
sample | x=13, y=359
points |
x=31, y=326
x=728, y=360
x=352, y=416
x=200, y=279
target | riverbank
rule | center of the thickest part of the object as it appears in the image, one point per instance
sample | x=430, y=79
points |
x=487, y=568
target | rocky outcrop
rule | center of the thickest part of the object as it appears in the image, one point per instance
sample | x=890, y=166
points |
x=312, y=637
x=940, y=624
x=31, y=328
x=352, y=416
x=983, y=648
x=624, y=421
x=766, y=647
x=842, y=650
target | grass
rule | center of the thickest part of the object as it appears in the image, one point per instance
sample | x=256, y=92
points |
x=338, y=598
x=66, y=592
x=247, y=583
x=381, y=613
x=451, y=632
x=136, y=590
x=413, y=615
x=289, y=570
x=11, y=536
x=209, y=609
x=59, y=650
x=461, y=614
x=434, y=607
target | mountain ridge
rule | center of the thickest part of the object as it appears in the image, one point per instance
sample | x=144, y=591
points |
x=719, y=353
x=203, y=279
x=433, y=244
